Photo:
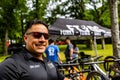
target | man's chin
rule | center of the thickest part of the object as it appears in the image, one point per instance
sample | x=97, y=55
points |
x=40, y=51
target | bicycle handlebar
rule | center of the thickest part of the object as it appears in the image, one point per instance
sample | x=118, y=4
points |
x=75, y=59
x=84, y=62
x=115, y=60
x=98, y=62
x=95, y=57
x=67, y=65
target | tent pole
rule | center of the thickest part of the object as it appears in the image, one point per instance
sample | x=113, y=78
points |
x=91, y=44
x=95, y=46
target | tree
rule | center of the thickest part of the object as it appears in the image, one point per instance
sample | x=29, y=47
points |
x=10, y=20
x=99, y=11
x=115, y=27
x=14, y=14
x=79, y=9
x=38, y=9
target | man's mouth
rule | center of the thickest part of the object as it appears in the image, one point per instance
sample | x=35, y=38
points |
x=40, y=44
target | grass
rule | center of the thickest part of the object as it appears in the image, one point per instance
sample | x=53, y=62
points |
x=106, y=52
x=3, y=57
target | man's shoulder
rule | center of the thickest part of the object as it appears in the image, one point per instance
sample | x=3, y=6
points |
x=7, y=62
x=70, y=45
x=56, y=45
x=15, y=57
x=12, y=58
x=52, y=46
x=46, y=60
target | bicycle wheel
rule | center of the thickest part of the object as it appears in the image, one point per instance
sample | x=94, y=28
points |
x=107, y=62
x=94, y=75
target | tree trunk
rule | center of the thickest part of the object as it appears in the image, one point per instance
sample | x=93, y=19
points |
x=114, y=27
x=5, y=45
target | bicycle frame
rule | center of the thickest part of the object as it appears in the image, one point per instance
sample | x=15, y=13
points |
x=96, y=67
x=82, y=76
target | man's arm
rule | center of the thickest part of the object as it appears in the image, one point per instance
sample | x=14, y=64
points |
x=76, y=51
x=71, y=52
x=59, y=57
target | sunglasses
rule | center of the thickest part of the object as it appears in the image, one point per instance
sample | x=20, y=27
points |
x=37, y=35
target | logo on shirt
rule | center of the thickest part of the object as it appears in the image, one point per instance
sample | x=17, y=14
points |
x=51, y=51
x=50, y=65
x=34, y=66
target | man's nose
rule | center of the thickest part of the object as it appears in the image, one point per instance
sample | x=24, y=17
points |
x=42, y=38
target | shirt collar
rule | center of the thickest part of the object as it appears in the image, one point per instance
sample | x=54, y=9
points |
x=29, y=56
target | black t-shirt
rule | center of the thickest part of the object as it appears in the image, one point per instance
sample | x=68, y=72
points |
x=23, y=66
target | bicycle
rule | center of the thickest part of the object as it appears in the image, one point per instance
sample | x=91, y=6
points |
x=92, y=69
x=76, y=73
x=112, y=65
x=96, y=73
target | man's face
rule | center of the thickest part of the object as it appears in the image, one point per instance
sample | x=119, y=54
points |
x=67, y=41
x=36, y=42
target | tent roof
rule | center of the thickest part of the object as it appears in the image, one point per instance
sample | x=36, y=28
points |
x=75, y=27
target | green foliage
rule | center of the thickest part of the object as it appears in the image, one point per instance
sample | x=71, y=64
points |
x=10, y=20
x=39, y=9
x=11, y=16
x=77, y=9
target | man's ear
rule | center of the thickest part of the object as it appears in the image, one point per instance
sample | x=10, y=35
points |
x=25, y=38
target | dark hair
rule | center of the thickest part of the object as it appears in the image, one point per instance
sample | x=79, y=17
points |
x=67, y=38
x=51, y=41
x=35, y=21
x=74, y=45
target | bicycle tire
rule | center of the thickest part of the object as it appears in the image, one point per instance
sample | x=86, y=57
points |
x=107, y=63
x=95, y=75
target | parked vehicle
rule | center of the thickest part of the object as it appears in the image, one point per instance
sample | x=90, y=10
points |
x=13, y=48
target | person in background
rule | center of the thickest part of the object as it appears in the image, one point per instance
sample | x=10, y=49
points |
x=52, y=52
x=75, y=51
x=29, y=63
x=69, y=50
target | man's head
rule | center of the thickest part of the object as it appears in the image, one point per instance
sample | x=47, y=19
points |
x=67, y=40
x=36, y=36
x=51, y=41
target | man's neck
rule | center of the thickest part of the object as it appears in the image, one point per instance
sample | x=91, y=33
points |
x=52, y=44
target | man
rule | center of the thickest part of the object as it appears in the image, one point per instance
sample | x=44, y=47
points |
x=52, y=52
x=69, y=49
x=29, y=63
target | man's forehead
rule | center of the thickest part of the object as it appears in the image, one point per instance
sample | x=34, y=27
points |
x=38, y=27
